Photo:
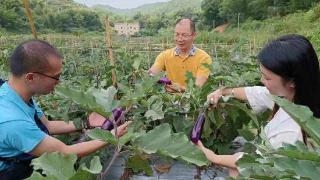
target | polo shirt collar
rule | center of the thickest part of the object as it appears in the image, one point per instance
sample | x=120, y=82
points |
x=192, y=51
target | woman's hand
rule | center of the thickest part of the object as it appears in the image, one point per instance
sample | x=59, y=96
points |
x=122, y=129
x=96, y=120
x=222, y=160
x=213, y=98
x=209, y=154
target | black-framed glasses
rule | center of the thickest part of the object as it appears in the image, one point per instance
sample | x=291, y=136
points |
x=55, y=78
x=183, y=35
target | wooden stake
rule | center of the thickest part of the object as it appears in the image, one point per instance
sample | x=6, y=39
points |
x=110, y=52
x=31, y=22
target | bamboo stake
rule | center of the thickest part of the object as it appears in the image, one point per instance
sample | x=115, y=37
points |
x=110, y=52
x=31, y=22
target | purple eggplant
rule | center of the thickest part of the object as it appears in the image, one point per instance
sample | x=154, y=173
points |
x=164, y=81
x=107, y=125
x=116, y=113
x=196, y=131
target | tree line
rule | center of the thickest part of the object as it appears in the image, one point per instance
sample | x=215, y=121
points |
x=217, y=12
x=55, y=16
x=48, y=16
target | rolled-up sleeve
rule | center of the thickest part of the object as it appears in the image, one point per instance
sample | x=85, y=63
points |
x=259, y=98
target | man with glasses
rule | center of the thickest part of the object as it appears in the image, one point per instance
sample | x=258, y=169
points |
x=55, y=78
x=25, y=132
x=185, y=57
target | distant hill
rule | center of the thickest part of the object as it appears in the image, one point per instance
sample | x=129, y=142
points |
x=154, y=8
x=63, y=4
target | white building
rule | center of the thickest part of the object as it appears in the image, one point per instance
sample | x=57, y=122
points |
x=127, y=28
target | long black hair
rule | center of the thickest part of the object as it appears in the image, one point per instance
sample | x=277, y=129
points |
x=294, y=59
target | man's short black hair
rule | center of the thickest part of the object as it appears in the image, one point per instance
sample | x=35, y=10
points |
x=192, y=25
x=32, y=56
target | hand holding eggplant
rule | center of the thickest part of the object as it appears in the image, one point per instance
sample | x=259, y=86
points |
x=95, y=120
x=122, y=129
x=213, y=98
x=207, y=152
x=175, y=88
x=116, y=113
x=165, y=81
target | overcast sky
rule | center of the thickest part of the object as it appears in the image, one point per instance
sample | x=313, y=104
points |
x=122, y=4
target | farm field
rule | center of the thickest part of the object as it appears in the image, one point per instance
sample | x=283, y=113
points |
x=100, y=75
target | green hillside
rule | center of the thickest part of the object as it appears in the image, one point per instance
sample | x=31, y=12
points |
x=155, y=8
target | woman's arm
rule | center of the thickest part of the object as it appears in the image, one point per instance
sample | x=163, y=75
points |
x=238, y=93
x=61, y=127
x=51, y=144
x=58, y=127
x=222, y=160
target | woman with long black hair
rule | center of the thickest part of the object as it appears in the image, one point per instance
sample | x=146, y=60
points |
x=289, y=69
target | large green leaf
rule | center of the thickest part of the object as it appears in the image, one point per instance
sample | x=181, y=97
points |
x=138, y=163
x=56, y=164
x=181, y=124
x=85, y=173
x=131, y=134
x=95, y=166
x=108, y=137
x=176, y=145
x=260, y=171
x=299, y=151
x=290, y=161
x=216, y=118
x=302, y=168
x=100, y=101
x=37, y=176
x=207, y=131
x=250, y=166
x=155, y=105
x=303, y=116
x=102, y=135
x=133, y=95
x=244, y=109
x=247, y=134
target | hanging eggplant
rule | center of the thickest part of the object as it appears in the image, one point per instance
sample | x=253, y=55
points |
x=196, y=131
x=116, y=113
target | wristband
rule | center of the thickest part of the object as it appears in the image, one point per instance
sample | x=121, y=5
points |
x=232, y=92
x=86, y=125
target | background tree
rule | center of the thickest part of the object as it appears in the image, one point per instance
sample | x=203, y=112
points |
x=231, y=9
x=211, y=13
x=12, y=15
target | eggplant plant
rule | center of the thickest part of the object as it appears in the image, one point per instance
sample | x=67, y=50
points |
x=290, y=161
x=102, y=101
x=155, y=113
